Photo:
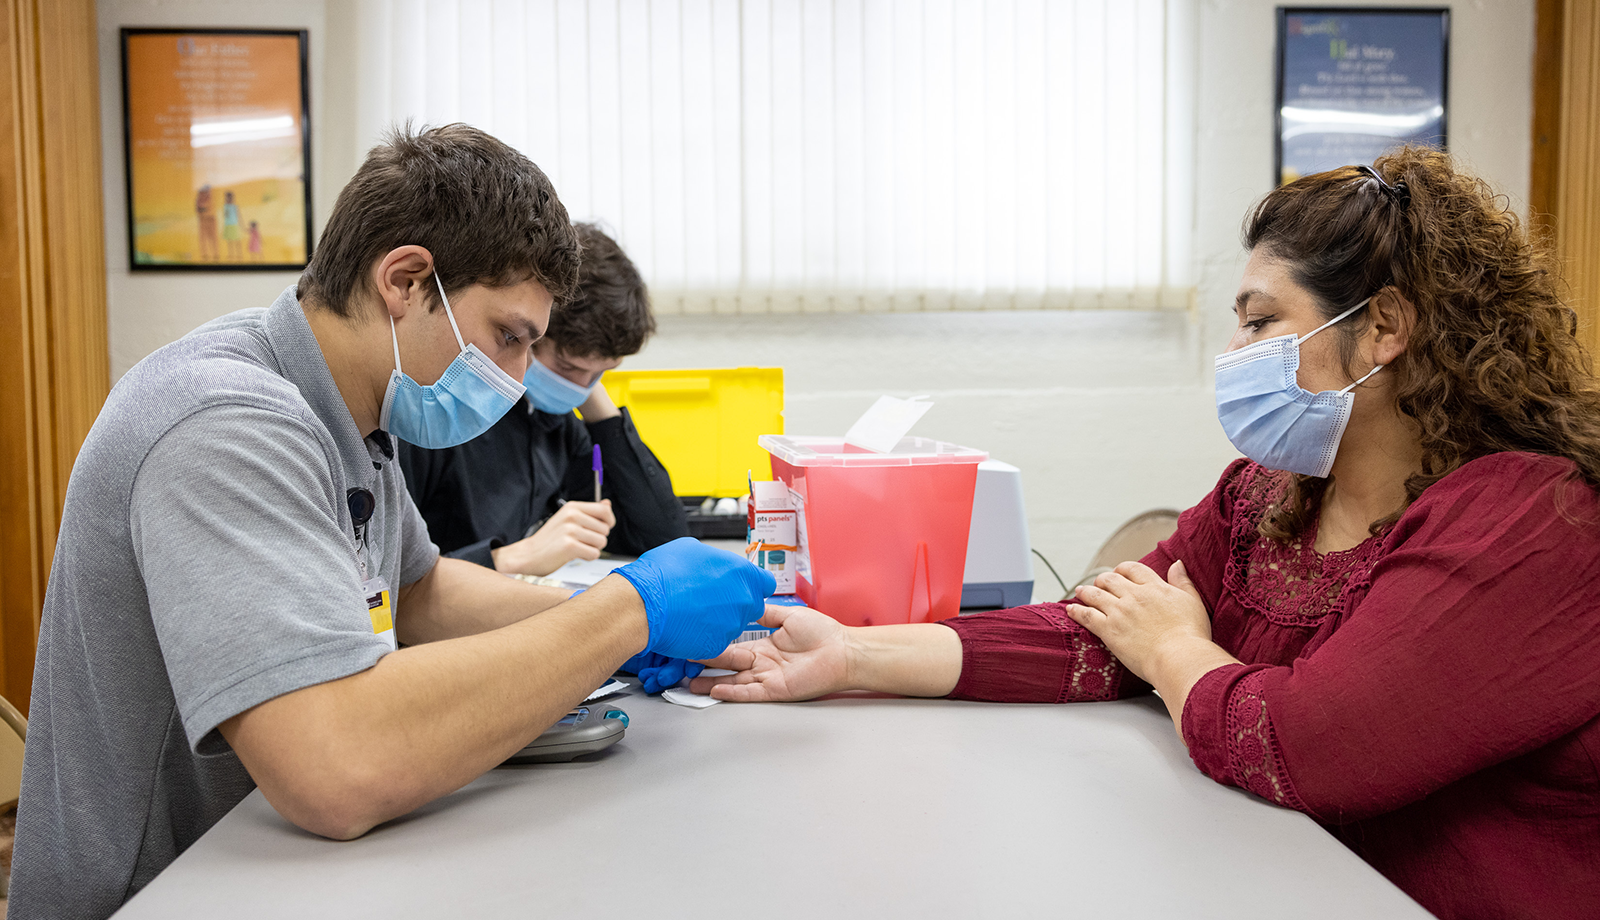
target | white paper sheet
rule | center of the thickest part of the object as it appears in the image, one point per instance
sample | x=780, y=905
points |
x=881, y=427
x=609, y=688
x=684, y=697
x=584, y=573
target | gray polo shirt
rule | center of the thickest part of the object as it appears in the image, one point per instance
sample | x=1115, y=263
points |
x=206, y=563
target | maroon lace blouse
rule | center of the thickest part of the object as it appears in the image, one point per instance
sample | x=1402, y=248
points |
x=1431, y=696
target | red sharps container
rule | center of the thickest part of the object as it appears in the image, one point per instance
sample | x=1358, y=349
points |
x=882, y=536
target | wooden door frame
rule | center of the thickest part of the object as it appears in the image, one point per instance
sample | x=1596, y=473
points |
x=54, y=360
x=1564, y=186
x=1546, y=112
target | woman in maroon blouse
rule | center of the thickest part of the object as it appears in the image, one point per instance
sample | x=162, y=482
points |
x=1388, y=617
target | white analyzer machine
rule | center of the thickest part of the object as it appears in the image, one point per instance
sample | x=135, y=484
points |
x=999, y=570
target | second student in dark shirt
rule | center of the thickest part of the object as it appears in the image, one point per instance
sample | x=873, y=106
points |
x=520, y=497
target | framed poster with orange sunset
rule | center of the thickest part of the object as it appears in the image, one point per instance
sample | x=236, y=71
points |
x=217, y=149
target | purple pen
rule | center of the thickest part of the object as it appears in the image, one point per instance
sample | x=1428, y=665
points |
x=598, y=475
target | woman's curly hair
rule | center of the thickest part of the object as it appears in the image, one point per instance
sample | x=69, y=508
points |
x=1492, y=363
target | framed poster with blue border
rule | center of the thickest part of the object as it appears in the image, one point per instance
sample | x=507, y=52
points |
x=1353, y=82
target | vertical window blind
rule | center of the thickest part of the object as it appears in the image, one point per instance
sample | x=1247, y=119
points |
x=831, y=155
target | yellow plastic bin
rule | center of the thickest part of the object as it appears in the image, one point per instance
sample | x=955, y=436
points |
x=703, y=423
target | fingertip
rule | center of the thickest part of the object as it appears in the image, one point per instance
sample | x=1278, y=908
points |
x=1080, y=612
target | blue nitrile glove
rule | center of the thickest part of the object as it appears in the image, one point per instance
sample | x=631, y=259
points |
x=668, y=673
x=697, y=599
x=641, y=661
x=658, y=672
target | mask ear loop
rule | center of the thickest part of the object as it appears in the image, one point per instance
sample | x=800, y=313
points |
x=394, y=338
x=1334, y=320
x=1362, y=380
x=448, y=315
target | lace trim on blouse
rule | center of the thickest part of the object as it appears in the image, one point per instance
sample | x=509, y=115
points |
x=1290, y=584
x=1254, y=756
x=1093, y=674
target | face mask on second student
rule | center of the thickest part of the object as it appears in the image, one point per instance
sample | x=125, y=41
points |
x=553, y=393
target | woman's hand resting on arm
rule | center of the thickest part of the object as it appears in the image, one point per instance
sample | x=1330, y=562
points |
x=811, y=654
x=1160, y=630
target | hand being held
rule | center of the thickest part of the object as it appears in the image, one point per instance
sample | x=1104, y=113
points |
x=578, y=530
x=805, y=658
x=697, y=599
x=1139, y=616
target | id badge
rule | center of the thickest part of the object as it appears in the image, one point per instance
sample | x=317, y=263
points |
x=380, y=609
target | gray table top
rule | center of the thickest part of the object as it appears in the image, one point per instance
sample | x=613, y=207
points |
x=848, y=807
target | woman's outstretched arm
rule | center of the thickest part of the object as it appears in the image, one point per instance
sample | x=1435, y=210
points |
x=1033, y=654
x=811, y=655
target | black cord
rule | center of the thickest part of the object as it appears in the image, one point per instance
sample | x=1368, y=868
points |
x=1052, y=569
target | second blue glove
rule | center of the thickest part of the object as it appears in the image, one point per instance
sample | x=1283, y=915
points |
x=667, y=674
x=658, y=672
x=639, y=662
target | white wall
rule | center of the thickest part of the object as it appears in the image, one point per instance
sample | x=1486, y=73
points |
x=1111, y=414
x=1106, y=413
x=149, y=309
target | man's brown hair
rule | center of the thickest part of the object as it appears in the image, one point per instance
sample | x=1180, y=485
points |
x=485, y=211
x=609, y=314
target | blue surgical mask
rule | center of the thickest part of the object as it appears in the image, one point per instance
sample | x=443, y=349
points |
x=471, y=395
x=551, y=392
x=1273, y=420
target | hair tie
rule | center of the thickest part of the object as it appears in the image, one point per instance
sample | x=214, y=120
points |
x=1399, y=192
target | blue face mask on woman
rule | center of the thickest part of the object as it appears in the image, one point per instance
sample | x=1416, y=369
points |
x=551, y=392
x=471, y=395
x=1273, y=420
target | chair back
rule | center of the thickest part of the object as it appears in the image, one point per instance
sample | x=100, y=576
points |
x=1134, y=540
x=13, y=733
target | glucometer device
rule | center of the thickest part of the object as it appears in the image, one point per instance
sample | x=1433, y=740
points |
x=584, y=730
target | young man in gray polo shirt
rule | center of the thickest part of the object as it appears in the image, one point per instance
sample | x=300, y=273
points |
x=239, y=558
